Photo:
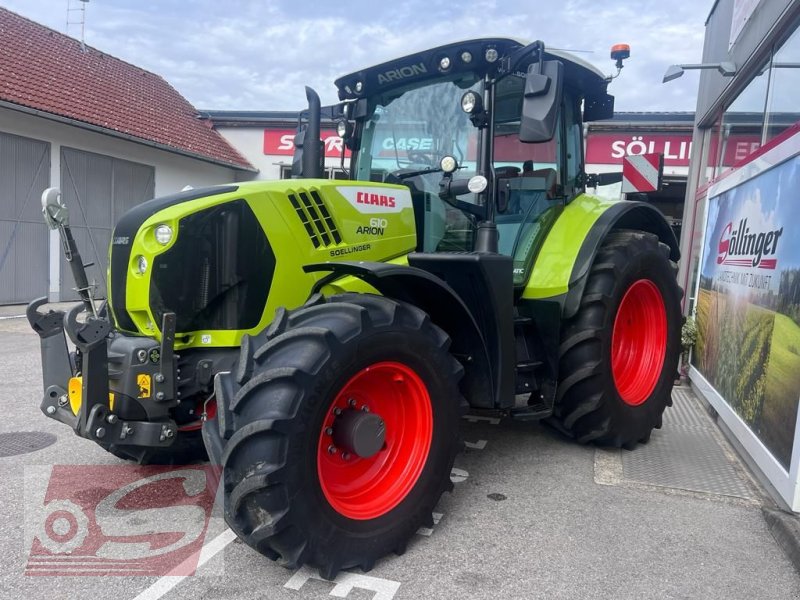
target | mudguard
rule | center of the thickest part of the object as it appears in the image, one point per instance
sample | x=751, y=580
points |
x=481, y=383
x=567, y=253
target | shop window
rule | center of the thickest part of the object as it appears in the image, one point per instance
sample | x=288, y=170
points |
x=743, y=122
x=710, y=153
x=696, y=248
x=782, y=108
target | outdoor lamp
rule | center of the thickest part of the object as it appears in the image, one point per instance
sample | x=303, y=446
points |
x=726, y=69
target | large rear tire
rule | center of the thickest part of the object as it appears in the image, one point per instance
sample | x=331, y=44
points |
x=619, y=353
x=336, y=431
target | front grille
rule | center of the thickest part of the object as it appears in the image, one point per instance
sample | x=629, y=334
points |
x=217, y=274
x=315, y=217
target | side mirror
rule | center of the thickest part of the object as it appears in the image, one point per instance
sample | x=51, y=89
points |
x=536, y=84
x=542, y=98
x=54, y=211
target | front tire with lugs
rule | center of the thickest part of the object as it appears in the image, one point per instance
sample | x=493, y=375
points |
x=336, y=431
x=619, y=354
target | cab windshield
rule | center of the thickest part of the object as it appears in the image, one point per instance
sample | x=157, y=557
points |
x=412, y=129
x=406, y=135
x=409, y=130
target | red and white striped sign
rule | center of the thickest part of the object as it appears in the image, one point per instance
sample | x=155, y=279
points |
x=642, y=173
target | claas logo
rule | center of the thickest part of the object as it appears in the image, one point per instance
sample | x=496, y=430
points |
x=375, y=199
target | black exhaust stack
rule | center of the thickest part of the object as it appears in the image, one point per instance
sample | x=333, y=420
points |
x=307, y=159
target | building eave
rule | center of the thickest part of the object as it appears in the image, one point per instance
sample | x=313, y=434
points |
x=121, y=135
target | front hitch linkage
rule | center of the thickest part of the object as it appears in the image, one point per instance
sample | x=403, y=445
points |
x=95, y=419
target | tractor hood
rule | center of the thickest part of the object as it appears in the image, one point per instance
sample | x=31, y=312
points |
x=223, y=259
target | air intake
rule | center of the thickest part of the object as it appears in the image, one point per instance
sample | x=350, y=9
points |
x=315, y=218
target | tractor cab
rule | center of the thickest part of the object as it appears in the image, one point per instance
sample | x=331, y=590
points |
x=482, y=132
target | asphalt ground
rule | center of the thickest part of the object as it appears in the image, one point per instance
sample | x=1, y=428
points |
x=532, y=516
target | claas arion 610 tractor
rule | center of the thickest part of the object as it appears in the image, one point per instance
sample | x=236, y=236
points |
x=321, y=338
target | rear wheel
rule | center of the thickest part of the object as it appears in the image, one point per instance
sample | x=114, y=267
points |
x=337, y=430
x=619, y=353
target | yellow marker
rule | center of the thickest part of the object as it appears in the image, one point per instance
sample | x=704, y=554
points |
x=143, y=381
x=75, y=394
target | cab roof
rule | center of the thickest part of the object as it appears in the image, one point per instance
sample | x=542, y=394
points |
x=425, y=64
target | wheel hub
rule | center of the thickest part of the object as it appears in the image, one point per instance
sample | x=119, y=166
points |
x=360, y=433
x=375, y=440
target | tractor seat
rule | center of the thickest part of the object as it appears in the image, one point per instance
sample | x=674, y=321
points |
x=550, y=177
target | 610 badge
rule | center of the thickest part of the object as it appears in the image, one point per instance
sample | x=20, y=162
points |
x=376, y=226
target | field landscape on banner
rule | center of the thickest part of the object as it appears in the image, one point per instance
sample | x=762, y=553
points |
x=748, y=305
x=756, y=369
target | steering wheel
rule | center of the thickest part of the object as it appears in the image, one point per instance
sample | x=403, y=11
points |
x=420, y=157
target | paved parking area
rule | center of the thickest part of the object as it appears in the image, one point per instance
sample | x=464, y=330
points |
x=532, y=516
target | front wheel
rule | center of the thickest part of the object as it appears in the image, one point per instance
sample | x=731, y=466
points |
x=337, y=430
x=619, y=353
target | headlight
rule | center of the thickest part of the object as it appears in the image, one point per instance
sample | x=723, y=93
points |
x=466, y=56
x=163, y=234
x=444, y=63
x=471, y=103
x=448, y=164
x=141, y=264
x=343, y=129
x=491, y=55
x=477, y=184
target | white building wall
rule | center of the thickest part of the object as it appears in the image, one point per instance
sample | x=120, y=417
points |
x=172, y=171
x=249, y=141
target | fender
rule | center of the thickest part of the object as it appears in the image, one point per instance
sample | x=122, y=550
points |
x=562, y=265
x=426, y=291
x=623, y=215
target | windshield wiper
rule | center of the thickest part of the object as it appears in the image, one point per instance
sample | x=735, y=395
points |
x=407, y=174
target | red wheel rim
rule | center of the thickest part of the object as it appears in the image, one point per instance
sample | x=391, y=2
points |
x=366, y=488
x=639, y=342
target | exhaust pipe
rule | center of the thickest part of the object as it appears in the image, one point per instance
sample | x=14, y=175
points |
x=307, y=159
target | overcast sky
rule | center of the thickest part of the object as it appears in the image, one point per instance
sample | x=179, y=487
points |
x=258, y=54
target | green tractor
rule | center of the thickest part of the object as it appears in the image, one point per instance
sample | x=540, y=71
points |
x=321, y=339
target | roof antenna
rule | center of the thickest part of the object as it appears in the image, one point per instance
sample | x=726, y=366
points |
x=79, y=19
